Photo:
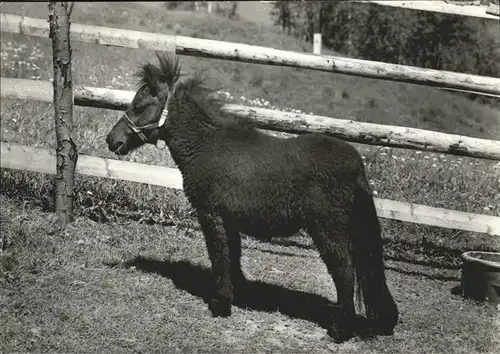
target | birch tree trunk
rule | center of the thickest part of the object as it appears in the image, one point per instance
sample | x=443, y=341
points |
x=67, y=154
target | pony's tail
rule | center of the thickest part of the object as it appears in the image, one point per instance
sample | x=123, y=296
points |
x=381, y=310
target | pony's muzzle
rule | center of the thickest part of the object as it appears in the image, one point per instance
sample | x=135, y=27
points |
x=115, y=146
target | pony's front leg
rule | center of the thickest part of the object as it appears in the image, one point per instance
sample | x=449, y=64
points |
x=218, y=250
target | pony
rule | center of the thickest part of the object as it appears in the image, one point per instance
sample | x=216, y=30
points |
x=241, y=180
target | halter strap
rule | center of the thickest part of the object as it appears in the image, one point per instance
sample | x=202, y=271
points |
x=163, y=118
x=139, y=130
x=159, y=124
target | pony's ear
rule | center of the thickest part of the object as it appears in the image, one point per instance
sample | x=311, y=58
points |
x=180, y=90
x=150, y=77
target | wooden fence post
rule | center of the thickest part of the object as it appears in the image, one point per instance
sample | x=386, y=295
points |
x=493, y=7
x=317, y=42
x=67, y=154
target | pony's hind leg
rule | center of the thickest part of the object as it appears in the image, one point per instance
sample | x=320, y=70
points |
x=332, y=242
x=381, y=310
x=218, y=250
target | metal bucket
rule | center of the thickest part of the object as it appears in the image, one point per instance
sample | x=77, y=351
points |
x=481, y=276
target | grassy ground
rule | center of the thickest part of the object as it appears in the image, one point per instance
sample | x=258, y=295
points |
x=124, y=287
x=75, y=292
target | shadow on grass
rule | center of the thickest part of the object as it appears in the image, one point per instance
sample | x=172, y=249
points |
x=431, y=276
x=258, y=296
x=427, y=254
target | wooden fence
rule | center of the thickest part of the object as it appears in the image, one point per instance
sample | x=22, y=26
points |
x=255, y=54
x=43, y=160
x=359, y=132
x=443, y=7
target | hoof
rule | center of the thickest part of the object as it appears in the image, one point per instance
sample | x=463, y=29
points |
x=220, y=308
x=339, y=335
x=456, y=290
x=380, y=329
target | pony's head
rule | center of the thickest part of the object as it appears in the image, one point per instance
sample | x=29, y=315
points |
x=141, y=122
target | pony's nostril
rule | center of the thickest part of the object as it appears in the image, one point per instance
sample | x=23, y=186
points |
x=116, y=146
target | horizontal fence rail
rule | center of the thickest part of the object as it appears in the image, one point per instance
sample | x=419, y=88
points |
x=360, y=132
x=255, y=54
x=469, y=92
x=438, y=6
x=43, y=160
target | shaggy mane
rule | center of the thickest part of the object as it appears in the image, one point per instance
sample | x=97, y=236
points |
x=168, y=72
x=196, y=89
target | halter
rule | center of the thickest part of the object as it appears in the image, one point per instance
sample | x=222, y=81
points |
x=139, y=130
x=160, y=144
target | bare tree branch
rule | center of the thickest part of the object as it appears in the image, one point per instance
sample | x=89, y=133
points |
x=70, y=9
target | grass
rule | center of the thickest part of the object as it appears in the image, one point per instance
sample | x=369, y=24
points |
x=125, y=287
x=78, y=291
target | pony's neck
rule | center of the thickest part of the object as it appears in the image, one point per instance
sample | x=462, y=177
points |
x=186, y=136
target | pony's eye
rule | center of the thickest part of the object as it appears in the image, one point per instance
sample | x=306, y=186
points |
x=141, y=105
